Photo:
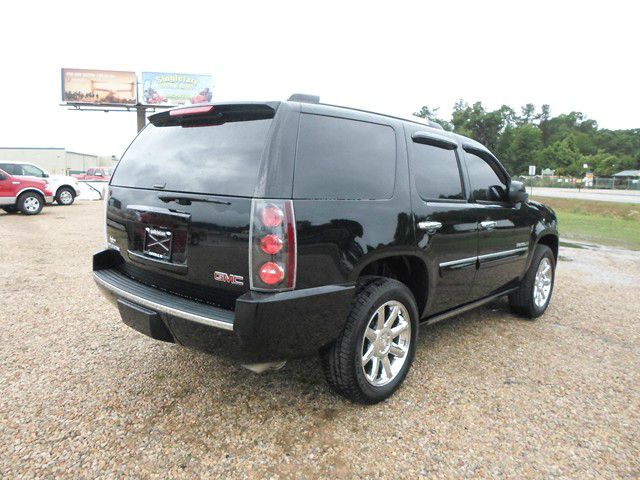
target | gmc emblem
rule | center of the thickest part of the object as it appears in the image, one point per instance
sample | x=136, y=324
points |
x=226, y=278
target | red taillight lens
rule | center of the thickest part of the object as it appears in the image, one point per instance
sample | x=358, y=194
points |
x=271, y=216
x=272, y=251
x=271, y=273
x=271, y=244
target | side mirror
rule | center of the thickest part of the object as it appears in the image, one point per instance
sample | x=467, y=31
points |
x=517, y=192
x=45, y=175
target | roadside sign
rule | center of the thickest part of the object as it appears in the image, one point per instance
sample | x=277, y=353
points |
x=532, y=169
x=169, y=89
x=98, y=87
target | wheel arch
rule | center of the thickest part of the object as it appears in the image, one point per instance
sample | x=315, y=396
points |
x=65, y=185
x=407, y=268
x=552, y=241
x=30, y=189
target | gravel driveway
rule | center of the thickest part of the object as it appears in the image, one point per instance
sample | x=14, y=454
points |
x=489, y=395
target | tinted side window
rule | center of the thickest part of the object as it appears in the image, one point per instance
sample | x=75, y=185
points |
x=11, y=168
x=32, y=171
x=485, y=182
x=436, y=172
x=337, y=158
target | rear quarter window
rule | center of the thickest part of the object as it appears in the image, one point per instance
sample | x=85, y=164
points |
x=343, y=159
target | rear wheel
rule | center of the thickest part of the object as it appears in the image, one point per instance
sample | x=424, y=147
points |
x=65, y=196
x=371, y=358
x=532, y=298
x=30, y=203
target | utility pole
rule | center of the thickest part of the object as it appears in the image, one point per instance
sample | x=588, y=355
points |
x=141, y=114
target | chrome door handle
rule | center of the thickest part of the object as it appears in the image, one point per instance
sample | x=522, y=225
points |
x=488, y=225
x=430, y=227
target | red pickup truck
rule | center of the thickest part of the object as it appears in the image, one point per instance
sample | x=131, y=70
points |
x=24, y=194
x=95, y=174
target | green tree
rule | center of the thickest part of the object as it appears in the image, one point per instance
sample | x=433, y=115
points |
x=563, y=143
x=482, y=125
x=525, y=141
x=432, y=115
x=605, y=164
x=562, y=156
x=528, y=113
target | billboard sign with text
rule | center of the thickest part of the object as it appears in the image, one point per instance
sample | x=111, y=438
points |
x=98, y=87
x=171, y=89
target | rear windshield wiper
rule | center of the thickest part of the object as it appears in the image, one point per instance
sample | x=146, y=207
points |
x=183, y=200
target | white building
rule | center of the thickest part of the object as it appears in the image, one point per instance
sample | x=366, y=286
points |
x=55, y=160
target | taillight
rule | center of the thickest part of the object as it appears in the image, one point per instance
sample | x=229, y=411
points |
x=271, y=244
x=271, y=273
x=272, y=247
x=271, y=215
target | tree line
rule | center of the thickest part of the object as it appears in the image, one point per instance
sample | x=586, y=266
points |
x=563, y=143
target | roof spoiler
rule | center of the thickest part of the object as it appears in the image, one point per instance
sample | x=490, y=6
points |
x=213, y=114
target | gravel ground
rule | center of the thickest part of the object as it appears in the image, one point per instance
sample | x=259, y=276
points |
x=489, y=395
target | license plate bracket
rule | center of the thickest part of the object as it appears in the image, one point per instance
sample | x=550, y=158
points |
x=158, y=243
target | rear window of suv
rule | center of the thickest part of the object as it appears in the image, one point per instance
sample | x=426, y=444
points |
x=213, y=159
x=342, y=159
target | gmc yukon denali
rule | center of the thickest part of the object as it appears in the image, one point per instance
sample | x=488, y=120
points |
x=270, y=231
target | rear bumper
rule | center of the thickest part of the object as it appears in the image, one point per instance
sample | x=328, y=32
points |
x=264, y=326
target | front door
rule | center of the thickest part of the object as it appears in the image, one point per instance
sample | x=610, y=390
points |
x=445, y=222
x=504, y=230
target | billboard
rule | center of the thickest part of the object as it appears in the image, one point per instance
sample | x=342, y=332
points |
x=98, y=87
x=175, y=88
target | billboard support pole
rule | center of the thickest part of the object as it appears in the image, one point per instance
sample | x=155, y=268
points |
x=141, y=114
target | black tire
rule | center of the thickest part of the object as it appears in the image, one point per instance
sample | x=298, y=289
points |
x=10, y=209
x=522, y=301
x=65, y=196
x=342, y=360
x=30, y=203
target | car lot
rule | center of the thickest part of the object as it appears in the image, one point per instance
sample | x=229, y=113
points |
x=489, y=394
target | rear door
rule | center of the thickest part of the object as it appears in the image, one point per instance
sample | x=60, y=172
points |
x=7, y=189
x=180, y=201
x=504, y=229
x=446, y=224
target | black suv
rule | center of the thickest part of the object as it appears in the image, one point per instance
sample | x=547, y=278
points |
x=269, y=231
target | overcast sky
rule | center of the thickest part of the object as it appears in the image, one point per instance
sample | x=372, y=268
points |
x=392, y=57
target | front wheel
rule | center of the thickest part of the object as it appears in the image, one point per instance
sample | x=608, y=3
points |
x=30, y=203
x=532, y=298
x=372, y=356
x=65, y=196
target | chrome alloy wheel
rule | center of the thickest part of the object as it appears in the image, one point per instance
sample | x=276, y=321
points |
x=385, y=343
x=65, y=197
x=31, y=204
x=542, y=283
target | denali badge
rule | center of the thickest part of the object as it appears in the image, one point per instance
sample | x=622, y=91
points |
x=228, y=278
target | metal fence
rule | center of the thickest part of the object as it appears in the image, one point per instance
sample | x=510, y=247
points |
x=605, y=183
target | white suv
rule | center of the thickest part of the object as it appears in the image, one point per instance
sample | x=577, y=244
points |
x=65, y=189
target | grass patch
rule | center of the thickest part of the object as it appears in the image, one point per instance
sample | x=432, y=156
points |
x=605, y=223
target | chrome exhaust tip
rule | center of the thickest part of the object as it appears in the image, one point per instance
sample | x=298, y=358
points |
x=263, y=367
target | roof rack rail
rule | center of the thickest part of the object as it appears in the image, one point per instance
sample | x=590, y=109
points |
x=304, y=98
